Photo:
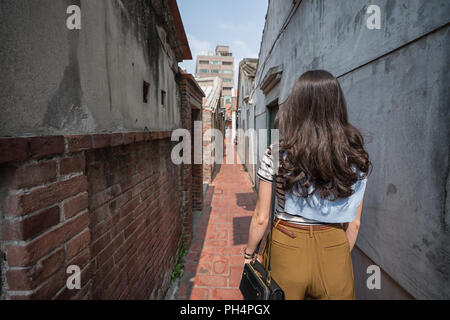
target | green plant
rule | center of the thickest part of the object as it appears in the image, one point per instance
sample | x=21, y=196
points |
x=178, y=269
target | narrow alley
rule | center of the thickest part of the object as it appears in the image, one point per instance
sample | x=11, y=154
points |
x=113, y=118
x=214, y=263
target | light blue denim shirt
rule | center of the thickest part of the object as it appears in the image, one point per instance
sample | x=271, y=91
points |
x=316, y=208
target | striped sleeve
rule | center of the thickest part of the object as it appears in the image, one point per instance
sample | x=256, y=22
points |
x=265, y=171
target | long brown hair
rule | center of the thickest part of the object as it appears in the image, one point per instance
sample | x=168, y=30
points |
x=320, y=146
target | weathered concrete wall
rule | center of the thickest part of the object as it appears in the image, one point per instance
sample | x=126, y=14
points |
x=58, y=81
x=406, y=112
x=389, y=290
x=87, y=171
x=243, y=87
x=247, y=142
x=396, y=84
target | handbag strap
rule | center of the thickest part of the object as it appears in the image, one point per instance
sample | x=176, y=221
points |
x=272, y=218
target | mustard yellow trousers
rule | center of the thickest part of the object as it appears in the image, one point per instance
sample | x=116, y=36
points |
x=315, y=264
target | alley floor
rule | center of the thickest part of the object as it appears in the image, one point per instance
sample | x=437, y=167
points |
x=214, y=263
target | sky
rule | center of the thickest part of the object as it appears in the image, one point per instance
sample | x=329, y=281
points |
x=236, y=23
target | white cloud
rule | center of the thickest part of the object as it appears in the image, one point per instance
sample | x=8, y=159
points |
x=238, y=27
x=197, y=46
x=241, y=50
x=226, y=26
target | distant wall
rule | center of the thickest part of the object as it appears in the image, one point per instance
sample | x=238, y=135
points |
x=246, y=122
x=211, y=146
x=395, y=81
x=192, y=174
x=58, y=81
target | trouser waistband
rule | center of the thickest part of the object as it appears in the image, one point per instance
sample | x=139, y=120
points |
x=309, y=228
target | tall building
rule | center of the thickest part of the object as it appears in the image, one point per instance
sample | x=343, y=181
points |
x=219, y=64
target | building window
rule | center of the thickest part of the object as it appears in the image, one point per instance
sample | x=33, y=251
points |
x=203, y=70
x=146, y=88
x=227, y=71
x=215, y=62
x=203, y=62
x=163, y=98
x=272, y=112
x=227, y=80
x=227, y=88
x=227, y=99
x=214, y=71
x=227, y=63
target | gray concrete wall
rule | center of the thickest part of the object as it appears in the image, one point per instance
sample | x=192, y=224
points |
x=59, y=81
x=242, y=106
x=389, y=289
x=246, y=123
x=396, y=84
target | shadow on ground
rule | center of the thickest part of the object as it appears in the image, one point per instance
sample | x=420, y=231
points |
x=201, y=220
x=246, y=201
x=241, y=226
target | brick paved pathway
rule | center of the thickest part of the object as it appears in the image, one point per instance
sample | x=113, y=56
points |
x=213, y=266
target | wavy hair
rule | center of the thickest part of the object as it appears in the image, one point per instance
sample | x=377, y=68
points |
x=319, y=144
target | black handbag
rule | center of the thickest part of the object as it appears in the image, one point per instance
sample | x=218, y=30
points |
x=256, y=282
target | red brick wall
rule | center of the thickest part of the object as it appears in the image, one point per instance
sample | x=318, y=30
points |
x=197, y=187
x=207, y=146
x=102, y=202
x=192, y=175
x=45, y=227
x=135, y=202
x=211, y=121
x=186, y=175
